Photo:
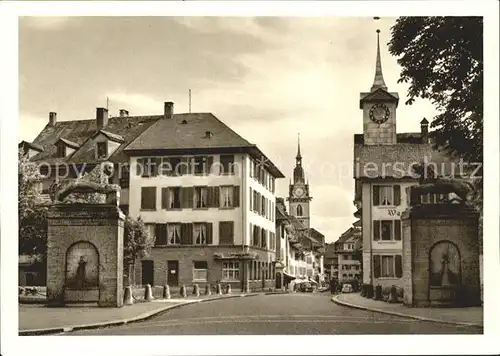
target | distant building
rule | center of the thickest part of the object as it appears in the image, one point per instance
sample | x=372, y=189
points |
x=348, y=250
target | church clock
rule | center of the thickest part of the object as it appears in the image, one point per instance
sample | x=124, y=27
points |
x=298, y=192
x=379, y=113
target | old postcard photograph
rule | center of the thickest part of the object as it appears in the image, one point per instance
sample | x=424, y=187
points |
x=281, y=171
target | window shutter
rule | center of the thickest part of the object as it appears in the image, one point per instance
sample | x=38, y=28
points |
x=164, y=198
x=139, y=165
x=215, y=197
x=210, y=163
x=376, y=266
x=376, y=195
x=397, y=230
x=187, y=234
x=251, y=235
x=155, y=162
x=236, y=196
x=209, y=233
x=399, y=266
x=183, y=197
x=190, y=197
x=251, y=199
x=376, y=230
x=184, y=166
x=158, y=235
x=231, y=232
x=397, y=195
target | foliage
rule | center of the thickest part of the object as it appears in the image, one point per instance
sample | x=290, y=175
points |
x=442, y=59
x=136, y=240
x=32, y=215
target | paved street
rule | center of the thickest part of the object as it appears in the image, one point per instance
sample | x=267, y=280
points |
x=277, y=314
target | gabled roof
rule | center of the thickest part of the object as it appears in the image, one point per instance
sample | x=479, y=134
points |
x=378, y=95
x=68, y=143
x=189, y=132
x=30, y=145
x=395, y=161
x=110, y=136
x=80, y=132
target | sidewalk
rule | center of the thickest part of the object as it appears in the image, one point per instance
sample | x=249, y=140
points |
x=472, y=316
x=37, y=319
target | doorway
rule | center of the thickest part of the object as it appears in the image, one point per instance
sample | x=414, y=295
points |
x=173, y=273
x=147, y=272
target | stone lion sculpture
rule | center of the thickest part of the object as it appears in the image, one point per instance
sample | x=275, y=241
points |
x=61, y=191
x=432, y=184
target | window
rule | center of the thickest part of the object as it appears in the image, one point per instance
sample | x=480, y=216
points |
x=161, y=234
x=102, y=149
x=174, y=234
x=170, y=166
x=262, y=205
x=200, y=271
x=230, y=271
x=200, y=197
x=201, y=165
x=150, y=228
x=386, y=195
x=227, y=164
x=263, y=237
x=226, y=198
x=174, y=198
x=61, y=150
x=124, y=176
x=387, y=266
x=387, y=230
x=256, y=235
x=200, y=234
x=226, y=232
x=300, y=211
x=148, y=198
x=251, y=199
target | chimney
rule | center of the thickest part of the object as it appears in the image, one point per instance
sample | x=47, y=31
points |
x=101, y=118
x=123, y=113
x=424, y=128
x=169, y=110
x=52, y=118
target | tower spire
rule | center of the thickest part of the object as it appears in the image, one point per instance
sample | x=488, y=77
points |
x=378, y=81
x=298, y=147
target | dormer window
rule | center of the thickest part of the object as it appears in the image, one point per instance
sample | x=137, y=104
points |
x=61, y=150
x=102, y=149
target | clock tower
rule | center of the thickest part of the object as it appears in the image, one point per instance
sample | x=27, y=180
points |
x=379, y=109
x=298, y=196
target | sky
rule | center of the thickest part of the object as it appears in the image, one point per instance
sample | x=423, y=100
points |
x=268, y=78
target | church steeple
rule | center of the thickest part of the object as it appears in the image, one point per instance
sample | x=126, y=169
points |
x=378, y=81
x=298, y=171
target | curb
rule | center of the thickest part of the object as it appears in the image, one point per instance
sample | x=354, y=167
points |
x=409, y=316
x=141, y=317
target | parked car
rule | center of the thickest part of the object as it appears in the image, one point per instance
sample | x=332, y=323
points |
x=347, y=288
x=306, y=287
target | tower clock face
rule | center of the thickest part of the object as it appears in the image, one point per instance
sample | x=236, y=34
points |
x=379, y=113
x=299, y=192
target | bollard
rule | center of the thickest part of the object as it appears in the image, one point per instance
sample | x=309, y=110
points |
x=228, y=289
x=148, y=293
x=208, y=289
x=127, y=296
x=183, y=291
x=196, y=290
x=166, y=292
x=218, y=289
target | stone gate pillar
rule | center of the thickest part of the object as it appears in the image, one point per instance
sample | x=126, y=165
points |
x=85, y=254
x=441, y=255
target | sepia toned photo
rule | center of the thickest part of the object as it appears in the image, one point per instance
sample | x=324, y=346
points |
x=256, y=175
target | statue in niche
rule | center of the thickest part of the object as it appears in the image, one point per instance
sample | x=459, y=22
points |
x=445, y=265
x=80, y=276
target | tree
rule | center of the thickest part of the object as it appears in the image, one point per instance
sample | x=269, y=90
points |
x=136, y=244
x=32, y=213
x=442, y=59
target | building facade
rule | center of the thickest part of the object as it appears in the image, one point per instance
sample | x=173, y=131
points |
x=208, y=198
x=348, y=248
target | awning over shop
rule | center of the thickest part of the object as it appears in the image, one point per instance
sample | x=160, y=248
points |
x=288, y=276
